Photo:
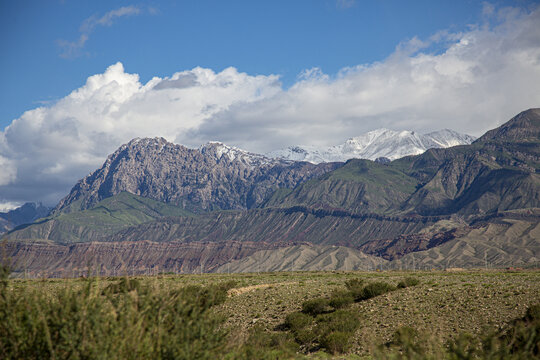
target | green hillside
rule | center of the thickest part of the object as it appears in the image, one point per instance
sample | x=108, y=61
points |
x=361, y=186
x=106, y=218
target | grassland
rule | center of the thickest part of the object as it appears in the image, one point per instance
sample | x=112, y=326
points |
x=441, y=311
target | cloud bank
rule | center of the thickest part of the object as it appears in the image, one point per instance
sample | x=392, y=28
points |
x=470, y=82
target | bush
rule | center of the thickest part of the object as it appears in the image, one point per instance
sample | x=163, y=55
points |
x=305, y=337
x=354, y=283
x=4, y=275
x=296, y=321
x=533, y=313
x=407, y=343
x=340, y=299
x=336, y=342
x=520, y=340
x=123, y=286
x=117, y=323
x=373, y=289
x=408, y=281
x=204, y=297
x=340, y=320
x=262, y=344
x=315, y=306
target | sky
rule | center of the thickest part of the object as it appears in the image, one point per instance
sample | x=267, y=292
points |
x=80, y=78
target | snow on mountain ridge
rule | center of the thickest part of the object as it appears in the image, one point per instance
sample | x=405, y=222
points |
x=382, y=142
x=231, y=153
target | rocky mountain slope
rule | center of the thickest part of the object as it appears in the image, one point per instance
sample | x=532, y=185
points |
x=360, y=186
x=296, y=224
x=508, y=242
x=214, y=177
x=498, y=172
x=417, y=204
x=511, y=240
x=304, y=258
x=123, y=258
x=380, y=143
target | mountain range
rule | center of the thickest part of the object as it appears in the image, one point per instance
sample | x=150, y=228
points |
x=380, y=143
x=24, y=214
x=157, y=204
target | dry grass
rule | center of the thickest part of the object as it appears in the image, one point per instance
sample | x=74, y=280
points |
x=442, y=306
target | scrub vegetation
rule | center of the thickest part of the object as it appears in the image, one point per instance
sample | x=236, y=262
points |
x=351, y=315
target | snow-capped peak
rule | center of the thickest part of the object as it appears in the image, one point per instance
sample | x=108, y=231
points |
x=225, y=152
x=448, y=138
x=374, y=144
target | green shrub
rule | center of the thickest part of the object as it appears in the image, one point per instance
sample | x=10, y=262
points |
x=340, y=320
x=315, y=306
x=336, y=342
x=4, y=275
x=340, y=299
x=305, y=336
x=407, y=343
x=296, y=321
x=520, y=340
x=262, y=344
x=354, y=283
x=226, y=286
x=127, y=320
x=408, y=281
x=122, y=286
x=373, y=289
x=533, y=313
x=466, y=346
x=204, y=297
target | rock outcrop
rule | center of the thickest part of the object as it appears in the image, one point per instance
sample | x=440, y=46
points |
x=215, y=177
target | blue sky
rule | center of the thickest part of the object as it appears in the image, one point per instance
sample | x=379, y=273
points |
x=256, y=37
x=80, y=78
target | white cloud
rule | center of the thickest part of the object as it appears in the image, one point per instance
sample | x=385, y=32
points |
x=8, y=174
x=72, y=49
x=481, y=78
x=7, y=206
x=107, y=19
x=54, y=146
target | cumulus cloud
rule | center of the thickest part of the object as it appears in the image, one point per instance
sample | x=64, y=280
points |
x=9, y=171
x=470, y=82
x=72, y=49
x=479, y=79
x=178, y=81
x=52, y=147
